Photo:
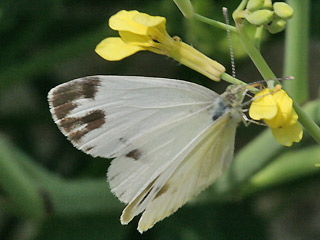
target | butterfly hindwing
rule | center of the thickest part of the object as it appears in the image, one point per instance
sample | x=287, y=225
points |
x=209, y=158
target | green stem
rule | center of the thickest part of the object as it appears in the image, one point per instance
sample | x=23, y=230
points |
x=241, y=6
x=35, y=171
x=296, y=50
x=18, y=185
x=81, y=197
x=258, y=36
x=34, y=192
x=312, y=128
x=302, y=163
x=214, y=22
x=239, y=12
x=254, y=53
x=228, y=78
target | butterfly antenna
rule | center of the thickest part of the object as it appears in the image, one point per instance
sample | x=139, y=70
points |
x=226, y=17
x=261, y=82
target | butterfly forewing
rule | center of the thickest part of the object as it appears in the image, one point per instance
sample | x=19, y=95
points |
x=164, y=134
x=98, y=110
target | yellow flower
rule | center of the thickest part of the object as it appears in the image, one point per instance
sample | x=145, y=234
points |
x=140, y=31
x=274, y=106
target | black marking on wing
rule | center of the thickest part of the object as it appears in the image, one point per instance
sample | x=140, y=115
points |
x=84, y=88
x=63, y=110
x=87, y=149
x=113, y=177
x=134, y=154
x=91, y=121
x=162, y=190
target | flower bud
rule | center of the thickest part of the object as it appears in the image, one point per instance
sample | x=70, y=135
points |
x=267, y=4
x=282, y=10
x=254, y=5
x=185, y=7
x=260, y=17
x=277, y=25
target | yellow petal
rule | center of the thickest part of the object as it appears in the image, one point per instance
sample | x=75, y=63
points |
x=136, y=39
x=114, y=49
x=135, y=22
x=283, y=100
x=285, y=115
x=147, y=20
x=264, y=106
x=287, y=135
x=283, y=120
x=292, y=119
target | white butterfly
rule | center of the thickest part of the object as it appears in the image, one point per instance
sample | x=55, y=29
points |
x=170, y=139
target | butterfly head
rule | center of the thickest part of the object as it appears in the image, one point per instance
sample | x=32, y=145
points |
x=234, y=94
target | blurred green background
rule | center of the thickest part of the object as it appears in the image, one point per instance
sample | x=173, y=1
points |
x=45, y=43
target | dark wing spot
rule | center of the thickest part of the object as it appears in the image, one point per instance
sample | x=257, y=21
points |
x=63, y=110
x=162, y=190
x=87, y=149
x=113, y=177
x=69, y=92
x=90, y=85
x=135, y=154
x=93, y=120
x=68, y=124
x=121, y=194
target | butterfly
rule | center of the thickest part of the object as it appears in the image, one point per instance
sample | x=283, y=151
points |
x=169, y=139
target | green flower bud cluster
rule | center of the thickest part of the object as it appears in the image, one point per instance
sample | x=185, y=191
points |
x=272, y=16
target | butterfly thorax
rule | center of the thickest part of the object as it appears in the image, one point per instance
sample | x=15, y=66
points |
x=233, y=97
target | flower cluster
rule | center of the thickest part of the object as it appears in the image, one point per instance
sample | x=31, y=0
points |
x=273, y=17
x=274, y=106
x=140, y=31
